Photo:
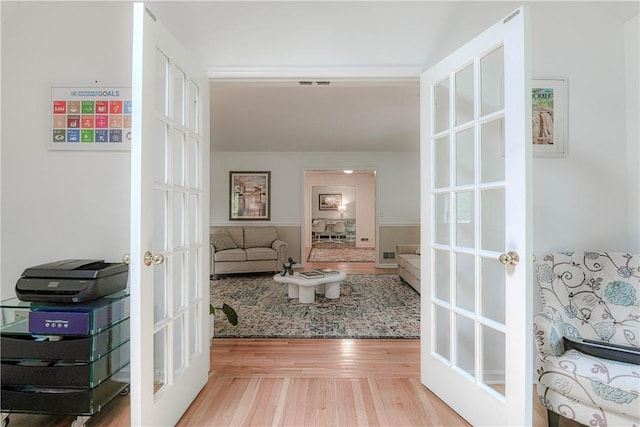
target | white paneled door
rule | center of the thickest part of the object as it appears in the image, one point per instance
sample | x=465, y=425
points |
x=169, y=232
x=476, y=268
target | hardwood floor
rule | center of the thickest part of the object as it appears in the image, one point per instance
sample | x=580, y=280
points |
x=323, y=382
x=306, y=382
x=348, y=267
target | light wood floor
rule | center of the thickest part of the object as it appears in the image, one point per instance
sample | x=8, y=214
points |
x=307, y=382
x=348, y=267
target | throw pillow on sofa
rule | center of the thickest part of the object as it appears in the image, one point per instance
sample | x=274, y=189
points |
x=222, y=241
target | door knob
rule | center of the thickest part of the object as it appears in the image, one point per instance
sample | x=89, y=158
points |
x=150, y=258
x=511, y=258
x=126, y=258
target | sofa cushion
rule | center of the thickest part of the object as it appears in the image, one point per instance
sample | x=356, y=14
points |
x=233, y=255
x=600, y=382
x=222, y=241
x=236, y=233
x=261, y=254
x=259, y=237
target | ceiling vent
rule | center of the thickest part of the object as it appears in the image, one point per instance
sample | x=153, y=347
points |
x=317, y=83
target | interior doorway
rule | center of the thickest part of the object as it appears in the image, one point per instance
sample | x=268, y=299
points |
x=340, y=215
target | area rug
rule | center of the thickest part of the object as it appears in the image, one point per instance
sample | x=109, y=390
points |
x=370, y=306
x=342, y=255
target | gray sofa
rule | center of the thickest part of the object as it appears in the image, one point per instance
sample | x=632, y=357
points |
x=408, y=256
x=245, y=250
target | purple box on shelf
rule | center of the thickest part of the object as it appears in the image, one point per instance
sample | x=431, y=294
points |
x=59, y=322
x=78, y=319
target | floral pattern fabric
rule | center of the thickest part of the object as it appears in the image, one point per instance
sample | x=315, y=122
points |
x=591, y=295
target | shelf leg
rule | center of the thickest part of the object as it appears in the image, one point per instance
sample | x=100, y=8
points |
x=80, y=421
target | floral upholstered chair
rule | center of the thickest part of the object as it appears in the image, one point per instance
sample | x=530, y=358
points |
x=591, y=296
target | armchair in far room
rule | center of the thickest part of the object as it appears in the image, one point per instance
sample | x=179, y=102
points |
x=318, y=228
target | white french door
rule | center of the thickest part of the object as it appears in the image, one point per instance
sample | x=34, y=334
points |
x=169, y=232
x=476, y=346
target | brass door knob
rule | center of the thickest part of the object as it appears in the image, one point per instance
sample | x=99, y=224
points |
x=150, y=258
x=510, y=258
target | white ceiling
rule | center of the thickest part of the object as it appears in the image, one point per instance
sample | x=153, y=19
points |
x=381, y=46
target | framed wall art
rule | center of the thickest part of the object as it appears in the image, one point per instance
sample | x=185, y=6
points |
x=329, y=202
x=250, y=196
x=90, y=118
x=549, y=116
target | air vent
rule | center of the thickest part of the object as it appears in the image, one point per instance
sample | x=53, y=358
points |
x=311, y=83
x=388, y=255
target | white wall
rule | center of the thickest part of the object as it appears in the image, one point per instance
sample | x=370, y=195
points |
x=394, y=171
x=55, y=204
x=580, y=200
x=632, y=72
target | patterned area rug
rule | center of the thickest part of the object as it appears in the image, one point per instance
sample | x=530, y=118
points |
x=370, y=306
x=342, y=255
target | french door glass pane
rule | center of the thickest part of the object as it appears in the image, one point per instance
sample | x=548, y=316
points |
x=493, y=359
x=442, y=273
x=491, y=149
x=162, y=77
x=194, y=236
x=194, y=163
x=160, y=151
x=442, y=218
x=441, y=162
x=194, y=100
x=159, y=293
x=159, y=359
x=194, y=330
x=465, y=282
x=493, y=306
x=177, y=284
x=178, y=95
x=464, y=157
x=178, y=219
x=193, y=275
x=179, y=335
x=492, y=230
x=441, y=329
x=441, y=106
x=464, y=95
x=492, y=82
x=465, y=219
x=178, y=157
x=160, y=206
x=465, y=344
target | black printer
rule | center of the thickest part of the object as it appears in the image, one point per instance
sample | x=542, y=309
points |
x=72, y=281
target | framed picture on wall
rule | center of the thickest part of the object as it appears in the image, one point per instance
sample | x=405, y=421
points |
x=250, y=196
x=329, y=202
x=549, y=116
x=90, y=118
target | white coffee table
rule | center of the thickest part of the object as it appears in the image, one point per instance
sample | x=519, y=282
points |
x=305, y=289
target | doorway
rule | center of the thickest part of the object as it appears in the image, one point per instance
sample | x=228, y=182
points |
x=339, y=216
